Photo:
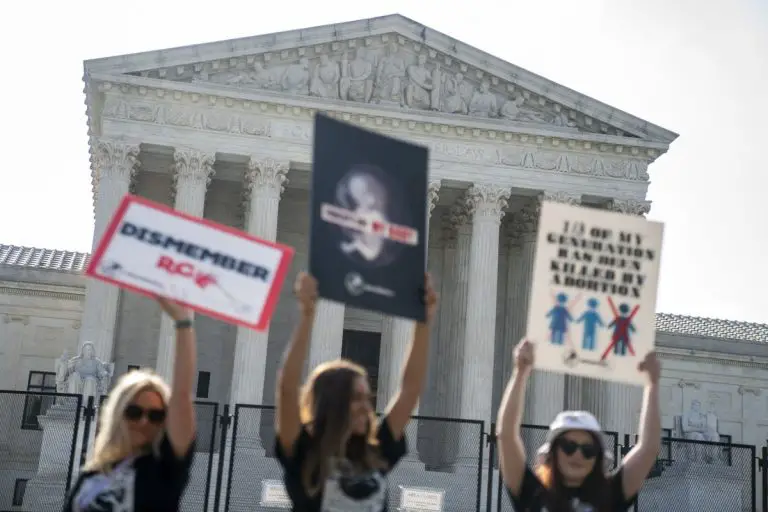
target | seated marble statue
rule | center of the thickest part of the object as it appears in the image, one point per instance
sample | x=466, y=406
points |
x=85, y=374
x=696, y=425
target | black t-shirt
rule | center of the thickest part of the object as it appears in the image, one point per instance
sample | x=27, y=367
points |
x=342, y=492
x=532, y=495
x=143, y=484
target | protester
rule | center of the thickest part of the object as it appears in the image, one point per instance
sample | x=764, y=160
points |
x=335, y=454
x=571, y=475
x=144, y=448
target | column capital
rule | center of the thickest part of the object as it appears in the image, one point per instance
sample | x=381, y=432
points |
x=266, y=175
x=194, y=164
x=525, y=222
x=630, y=206
x=487, y=201
x=448, y=231
x=114, y=159
x=433, y=189
x=560, y=197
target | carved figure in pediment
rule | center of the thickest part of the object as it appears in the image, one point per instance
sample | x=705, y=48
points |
x=356, y=82
x=456, y=94
x=390, y=75
x=484, y=103
x=423, y=89
x=260, y=78
x=562, y=119
x=325, y=79
x=511, y=108
x=295, y=78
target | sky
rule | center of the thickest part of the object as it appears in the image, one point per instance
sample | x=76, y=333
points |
x=696, y=68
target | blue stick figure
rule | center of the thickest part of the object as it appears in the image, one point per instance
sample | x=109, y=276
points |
x=622, y=327
x=559, y=317
x=591, y=320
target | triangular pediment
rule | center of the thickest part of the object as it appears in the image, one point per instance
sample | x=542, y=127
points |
x=390, y=61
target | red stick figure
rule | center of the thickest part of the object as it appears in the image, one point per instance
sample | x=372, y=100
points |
x=622, y=324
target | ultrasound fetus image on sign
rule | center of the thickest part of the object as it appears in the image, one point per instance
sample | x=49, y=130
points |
x=373, y=219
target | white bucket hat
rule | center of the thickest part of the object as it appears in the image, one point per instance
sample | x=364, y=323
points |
x=574, y=420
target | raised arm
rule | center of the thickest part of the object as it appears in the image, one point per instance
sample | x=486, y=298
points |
x=401, y=405
x=181, y=409
x=511, y=449
x=287, y=419
x=638, y=462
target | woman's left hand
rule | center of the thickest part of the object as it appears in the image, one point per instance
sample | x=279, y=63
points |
x=174, y=309
x=430, y=298
x=652, y=366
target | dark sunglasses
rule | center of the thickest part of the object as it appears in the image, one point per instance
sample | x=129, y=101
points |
x=135, y=413
x=589, y=450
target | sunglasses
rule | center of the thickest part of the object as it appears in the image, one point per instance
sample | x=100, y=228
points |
x=589, y=450
x=135, y=413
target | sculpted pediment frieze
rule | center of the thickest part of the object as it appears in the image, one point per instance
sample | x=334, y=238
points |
x=390, y=70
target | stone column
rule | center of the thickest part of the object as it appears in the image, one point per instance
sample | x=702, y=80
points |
x=327, y=333
x=617, y=405
x=264, y=183
x=193, y=171
x=515, y=289
x=450, y=358
x=545, y=397
x=114, y=164
x=396, y=334
x=485, y=205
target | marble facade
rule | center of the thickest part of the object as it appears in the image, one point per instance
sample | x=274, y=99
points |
x=224, y=131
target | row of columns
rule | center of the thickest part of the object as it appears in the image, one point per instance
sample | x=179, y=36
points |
x=467, y=329
x=115, y=164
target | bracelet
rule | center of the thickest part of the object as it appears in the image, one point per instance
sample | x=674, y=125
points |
x=184, y=324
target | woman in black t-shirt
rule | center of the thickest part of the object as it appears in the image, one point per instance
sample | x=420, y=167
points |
x=335, y=454
x=571, y=475
x=143, y=450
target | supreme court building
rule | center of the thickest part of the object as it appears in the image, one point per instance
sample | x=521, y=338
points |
x=224, y=131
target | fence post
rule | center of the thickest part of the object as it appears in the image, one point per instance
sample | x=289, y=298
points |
x=224, y=420
x=491, y=442
x=763, y=465
x=89, y=412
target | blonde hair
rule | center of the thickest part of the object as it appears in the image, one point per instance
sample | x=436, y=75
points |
x=112, y=442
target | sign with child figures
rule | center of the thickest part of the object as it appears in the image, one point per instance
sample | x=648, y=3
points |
x=592, y=310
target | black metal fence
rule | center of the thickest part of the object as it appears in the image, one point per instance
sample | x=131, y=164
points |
x=38, y=440
x=701, y=475
x=45, y=437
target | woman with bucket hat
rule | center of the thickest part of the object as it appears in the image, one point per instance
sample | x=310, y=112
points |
x=571, y=474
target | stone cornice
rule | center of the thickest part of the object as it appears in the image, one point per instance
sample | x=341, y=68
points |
x=700, y=356
x=362, y=33
x=483, y=129
x=79, y=297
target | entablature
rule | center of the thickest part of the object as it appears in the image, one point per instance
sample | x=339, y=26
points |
x=456, y=153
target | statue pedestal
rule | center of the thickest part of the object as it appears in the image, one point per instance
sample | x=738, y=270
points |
x=698, y=486
x=46, y=490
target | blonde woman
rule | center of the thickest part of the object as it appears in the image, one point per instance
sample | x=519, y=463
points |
x=143, y=452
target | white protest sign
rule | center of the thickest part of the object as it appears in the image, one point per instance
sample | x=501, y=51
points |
x=214, y=269
x=592, y=309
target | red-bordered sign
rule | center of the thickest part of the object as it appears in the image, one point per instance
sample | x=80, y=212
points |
x=217, y=270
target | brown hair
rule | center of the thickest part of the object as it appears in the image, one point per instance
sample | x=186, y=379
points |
x=594, y=488
x=325, y=404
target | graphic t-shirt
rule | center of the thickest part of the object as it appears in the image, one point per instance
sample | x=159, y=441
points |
x=533, y=495
x=345, y=490
x=143, y=484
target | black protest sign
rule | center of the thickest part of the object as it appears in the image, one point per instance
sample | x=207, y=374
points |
x=368, y=219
